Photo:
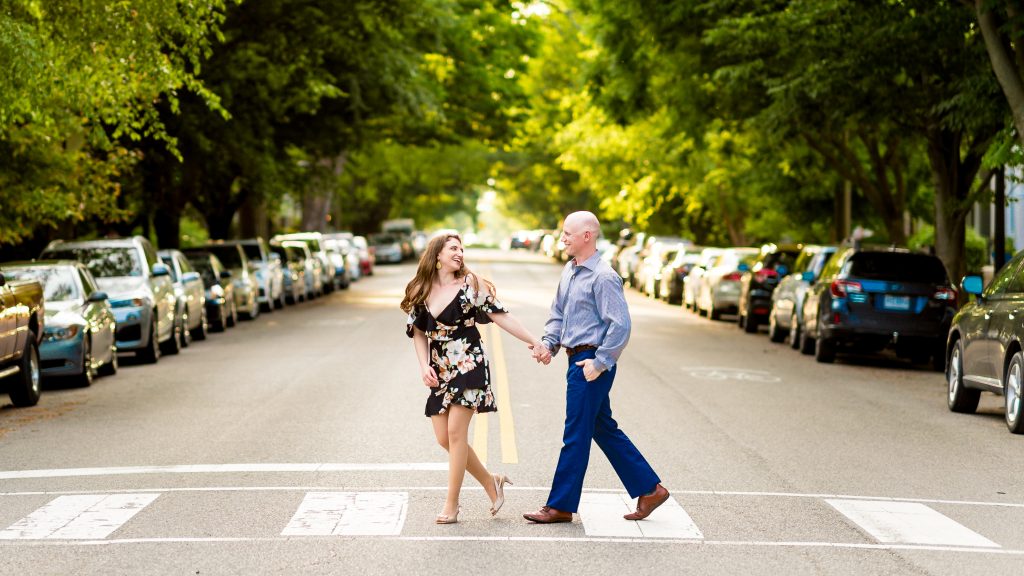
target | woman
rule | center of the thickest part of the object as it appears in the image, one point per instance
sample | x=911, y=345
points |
x=445, y=303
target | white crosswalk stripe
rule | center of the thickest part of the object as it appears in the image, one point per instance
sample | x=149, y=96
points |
x=908, y=523
x=349, y=514
x=601, y=515
x=88, y=517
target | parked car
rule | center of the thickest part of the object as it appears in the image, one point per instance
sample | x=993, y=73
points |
x=872, y=298
x=521, y=240
x=388, y=248
x=293, y=262
x=243, y=275
x=314, y=241
x=338, y=271
x=366, y=255
x=661, y=252
x=720, y=285
x=342, y=242
x=22, y=321
x=674, y=273
x=786, y=315
x=314, y=273
x=139, y=287
x=759, y=281
x=219, y=290
x=190, y=294
x=983, y=349
x=269, y=275
x=79, y=340
x=694, y=281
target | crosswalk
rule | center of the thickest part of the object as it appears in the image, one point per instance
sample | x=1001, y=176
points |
x=99, y=517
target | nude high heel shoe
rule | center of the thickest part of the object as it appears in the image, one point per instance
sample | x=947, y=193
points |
x=499, y=492
x=446, y=519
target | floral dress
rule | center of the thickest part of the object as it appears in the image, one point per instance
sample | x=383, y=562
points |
x=456, y=354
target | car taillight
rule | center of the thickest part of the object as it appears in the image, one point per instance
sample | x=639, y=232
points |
x=735, y=277
x=841, y=288
x=762, y=275
x=945, y=294
x=684, y=270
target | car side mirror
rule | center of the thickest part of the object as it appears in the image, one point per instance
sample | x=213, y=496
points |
x=781, y=270
x=190, y=276
x=807, y=276
x=161, y=270
x=225, y=274
x=97, y=296
x=972, y=285
x=743, y=268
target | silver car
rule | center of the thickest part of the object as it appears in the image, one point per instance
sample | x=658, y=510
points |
x=293, y=264
x=720, y=286
x=79, y=333
x=190, y=294
x=786, y=316
x=243, y=275
x=139, y=287
x=269, y=274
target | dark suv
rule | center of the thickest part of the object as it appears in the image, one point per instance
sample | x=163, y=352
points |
x=759, y=281
x=874, y=298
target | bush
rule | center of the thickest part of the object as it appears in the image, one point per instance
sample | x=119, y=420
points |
x=976, y=246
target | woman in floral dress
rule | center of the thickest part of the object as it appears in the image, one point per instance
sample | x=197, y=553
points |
x=445, y=303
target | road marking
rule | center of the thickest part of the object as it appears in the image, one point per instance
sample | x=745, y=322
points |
x=349, y=514
x=548, y=540
x=908, y=523
x=509, y=451
x=741, y=374
x=480, y=425
x=601, y=515
x=79, y=517
x=223, y=468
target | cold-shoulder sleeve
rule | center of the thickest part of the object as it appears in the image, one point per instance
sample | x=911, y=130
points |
x=419, y=318
x=484, y=303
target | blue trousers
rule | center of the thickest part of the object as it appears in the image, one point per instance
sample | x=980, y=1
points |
x=588, y=416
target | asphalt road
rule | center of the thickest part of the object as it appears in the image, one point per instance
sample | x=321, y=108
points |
x=296, y=444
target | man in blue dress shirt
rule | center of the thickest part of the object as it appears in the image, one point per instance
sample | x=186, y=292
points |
x=590, y=320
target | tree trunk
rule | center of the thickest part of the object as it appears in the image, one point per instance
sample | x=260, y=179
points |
x=1003, y=63
x=953, y=177
x=167, y=224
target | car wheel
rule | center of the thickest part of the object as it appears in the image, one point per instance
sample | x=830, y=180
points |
x=824, y=350
x=775, y=334
x=959, y=398
x=1012, y=389
x=25, y=387
x=750, y=323
x=151, y=353
x=279, y=303
x=712, y=313
x=173, y=344
x=794, y=333
x=85, y=379
x=233, y=316
x=204, y=324
x=185, y=333
x=110, y=368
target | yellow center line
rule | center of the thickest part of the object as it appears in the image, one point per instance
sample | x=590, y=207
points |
x=503, y=396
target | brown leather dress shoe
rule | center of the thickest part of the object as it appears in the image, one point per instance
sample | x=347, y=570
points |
x=548, y=515
x=648, y=502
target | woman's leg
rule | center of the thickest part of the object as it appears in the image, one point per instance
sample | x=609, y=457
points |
x=474, y=466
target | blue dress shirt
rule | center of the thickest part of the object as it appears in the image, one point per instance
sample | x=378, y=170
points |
x=589, y=308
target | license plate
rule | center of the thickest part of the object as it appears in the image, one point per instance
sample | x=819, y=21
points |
x=891, y=302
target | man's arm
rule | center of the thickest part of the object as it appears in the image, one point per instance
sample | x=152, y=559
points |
x=553, y=327
x=612, y=308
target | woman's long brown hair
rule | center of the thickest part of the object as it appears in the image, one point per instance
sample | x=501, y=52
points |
x=418, y=289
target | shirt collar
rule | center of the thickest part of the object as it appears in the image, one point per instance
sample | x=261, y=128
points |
x=590, y=263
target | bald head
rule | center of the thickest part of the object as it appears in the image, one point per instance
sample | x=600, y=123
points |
x=584, y=221
x=580, y=231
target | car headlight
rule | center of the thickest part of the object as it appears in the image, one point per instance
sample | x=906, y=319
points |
x=61, y=333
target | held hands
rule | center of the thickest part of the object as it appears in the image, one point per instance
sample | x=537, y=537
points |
x=540, y=353
x=589, y=372
x=429, y=377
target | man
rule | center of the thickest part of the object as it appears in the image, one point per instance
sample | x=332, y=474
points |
x=589, y=318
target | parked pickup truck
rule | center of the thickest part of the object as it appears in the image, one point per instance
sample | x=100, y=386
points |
x=21, y=330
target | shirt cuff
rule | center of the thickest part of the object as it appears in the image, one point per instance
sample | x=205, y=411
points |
x=599, y=366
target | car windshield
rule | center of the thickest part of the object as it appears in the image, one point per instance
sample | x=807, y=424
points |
x=205, y=269
x=103, y=262
x=897, y=266
x=252, y=252
x=58, y=283
x=169, y=260
x=228, y=255
x=384, y=239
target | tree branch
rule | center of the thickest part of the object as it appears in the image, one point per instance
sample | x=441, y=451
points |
x=1003, y=64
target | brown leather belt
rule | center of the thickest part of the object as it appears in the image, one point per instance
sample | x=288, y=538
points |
x=574, y=350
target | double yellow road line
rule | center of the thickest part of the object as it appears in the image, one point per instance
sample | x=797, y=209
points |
x=502, y=395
